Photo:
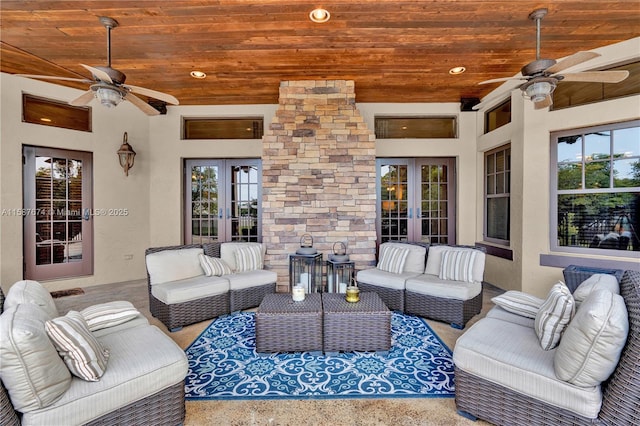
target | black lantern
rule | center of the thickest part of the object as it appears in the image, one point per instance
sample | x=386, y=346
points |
x=339, y=276
x=306, y=271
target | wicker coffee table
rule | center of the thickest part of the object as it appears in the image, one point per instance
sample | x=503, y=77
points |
x=361, y=326
x=283, y=325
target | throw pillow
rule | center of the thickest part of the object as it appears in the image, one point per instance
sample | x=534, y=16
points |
x=392, y=259
x=214, y=266
x=457, y=265
x=109, y=314
x=84, y=355
x=595, y=281
x=591, y=345
x=520, y=303
x=554, y=315
x=248, y=258
x=30, y=367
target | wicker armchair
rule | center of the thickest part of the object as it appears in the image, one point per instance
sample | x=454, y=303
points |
x=480, y=398
x=177, y=315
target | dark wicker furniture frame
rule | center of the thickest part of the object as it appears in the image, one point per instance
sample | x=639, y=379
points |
x=283, y=325
x=479, y=398
x=362, y=326
x=393, y=298
x=454, y=311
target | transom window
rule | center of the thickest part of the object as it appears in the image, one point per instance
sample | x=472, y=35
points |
x=596, y=188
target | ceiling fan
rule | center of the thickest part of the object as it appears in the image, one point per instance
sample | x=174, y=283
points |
x=543, y=75
x=108, y=83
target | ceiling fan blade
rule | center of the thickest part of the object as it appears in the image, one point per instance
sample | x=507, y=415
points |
x=597, y=76
x=145, y=107
x=51, y=77
x=83, y=99
x=498, y=80
x=152, y=94
x=546, y=102
x=99, y=74
x=569, y=61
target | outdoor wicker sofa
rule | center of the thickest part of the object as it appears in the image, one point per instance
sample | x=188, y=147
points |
x=485, y=398
x=143, y=383
x=419, y=289
x=184, y=295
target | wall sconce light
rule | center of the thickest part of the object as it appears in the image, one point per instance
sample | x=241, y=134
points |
x=126, y=155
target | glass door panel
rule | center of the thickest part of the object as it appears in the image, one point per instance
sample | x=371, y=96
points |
x=244, y=202
x=393, y=202
x=205, y=210
x=434, y=212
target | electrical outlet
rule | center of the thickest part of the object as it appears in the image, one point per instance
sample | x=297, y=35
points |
x=128, y=256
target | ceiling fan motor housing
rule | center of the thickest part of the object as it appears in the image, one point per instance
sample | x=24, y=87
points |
x=117, y=76
x=537, y=67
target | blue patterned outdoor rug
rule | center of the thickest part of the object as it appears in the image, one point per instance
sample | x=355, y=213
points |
x=224, y=364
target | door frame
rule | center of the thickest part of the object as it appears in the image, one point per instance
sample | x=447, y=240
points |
x=56, y=270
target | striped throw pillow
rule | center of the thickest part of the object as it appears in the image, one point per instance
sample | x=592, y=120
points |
x=457, y=265
x=248, y=258
x=214, y=266
x=392, y=259
x=520, y=303
x=105, y=315
x=554, y=316
x=82, y=353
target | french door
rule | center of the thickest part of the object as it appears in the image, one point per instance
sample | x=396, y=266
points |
x=416, y=200
x=222, y=200
x=58, y=226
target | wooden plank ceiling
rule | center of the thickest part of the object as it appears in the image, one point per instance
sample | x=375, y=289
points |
x=396, y=51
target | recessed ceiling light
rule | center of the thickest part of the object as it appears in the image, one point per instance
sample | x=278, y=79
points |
x=319, y=15
x=198, y=74
x=457, y=70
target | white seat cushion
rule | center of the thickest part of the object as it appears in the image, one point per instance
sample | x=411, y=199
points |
x=375, y=276
x=143, y=361
x=432, y=285
x=504, y=315
x=190, y=289
x=510, y=355
x=173, y=265
x=242, y=280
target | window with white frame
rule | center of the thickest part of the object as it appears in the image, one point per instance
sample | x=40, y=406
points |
x=497, y=195
x=595, y=189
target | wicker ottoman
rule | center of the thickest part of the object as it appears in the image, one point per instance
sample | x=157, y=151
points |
x=361, y=326
x=283, y=325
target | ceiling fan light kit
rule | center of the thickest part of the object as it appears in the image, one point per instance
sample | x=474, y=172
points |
x=537, y=91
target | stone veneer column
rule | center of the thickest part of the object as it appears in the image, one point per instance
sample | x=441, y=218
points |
x=319, y=175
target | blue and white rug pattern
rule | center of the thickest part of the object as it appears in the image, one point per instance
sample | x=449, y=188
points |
x=224, y=364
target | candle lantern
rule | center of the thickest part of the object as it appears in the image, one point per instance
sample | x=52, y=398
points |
x=339, y=276
x=306, y=270
x=339, y=270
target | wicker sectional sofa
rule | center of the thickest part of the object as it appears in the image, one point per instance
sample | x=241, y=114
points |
x=143, y=382
x=420, y=287
x=180, y=293
x=503, y=376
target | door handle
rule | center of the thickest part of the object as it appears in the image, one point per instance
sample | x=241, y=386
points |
x=418, y=213
x=86, y=215
x=219, y=213
x=410, y=212
x=228, y=213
